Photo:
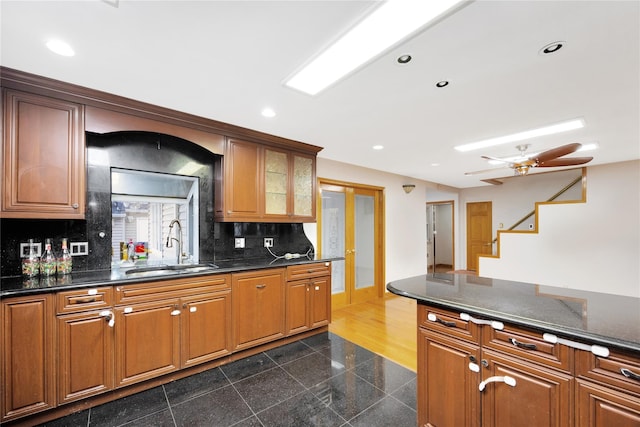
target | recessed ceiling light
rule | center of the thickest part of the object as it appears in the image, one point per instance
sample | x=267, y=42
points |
x=521, y=136
x=435, y=164
x=442, y=83
x=404, y=59
x=60, y=47
x=378, y=147
x=268, y=112
x=365, y=41
x=551, y=48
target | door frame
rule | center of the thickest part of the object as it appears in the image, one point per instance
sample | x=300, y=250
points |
x=379, y=227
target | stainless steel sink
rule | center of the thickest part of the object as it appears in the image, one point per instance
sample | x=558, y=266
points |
x=168, y=270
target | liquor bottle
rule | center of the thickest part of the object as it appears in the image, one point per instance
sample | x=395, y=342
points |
x=48, y=260
x=31, y=263
x=64, y=261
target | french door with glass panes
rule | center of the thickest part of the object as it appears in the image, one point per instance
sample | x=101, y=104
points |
x=350, y=226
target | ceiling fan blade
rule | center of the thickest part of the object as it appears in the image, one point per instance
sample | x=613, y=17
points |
x=485, y=171
x=554, y=153
x=571, y=161
x=497, y=159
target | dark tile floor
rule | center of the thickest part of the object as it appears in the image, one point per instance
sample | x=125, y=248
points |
x=324, y=380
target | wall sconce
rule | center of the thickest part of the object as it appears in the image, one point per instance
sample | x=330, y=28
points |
x=408, y=188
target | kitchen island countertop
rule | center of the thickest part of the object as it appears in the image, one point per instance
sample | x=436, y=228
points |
x=590, y=317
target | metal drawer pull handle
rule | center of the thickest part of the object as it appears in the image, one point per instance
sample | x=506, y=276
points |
x=84, y=300
x=108, y=315
x=595, y=349
x=494, y=324
x=261, y=286
x=629, y=374
x=433, y=318
x=507, y=380
x=523, y=345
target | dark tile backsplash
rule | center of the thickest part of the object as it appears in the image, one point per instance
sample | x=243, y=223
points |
x=154, y=153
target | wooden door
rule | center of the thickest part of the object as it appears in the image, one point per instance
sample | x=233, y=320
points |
x=43, y=158
x=242, y=197
x=320, y=310
x=27, y=355
x=603, y=407
x=85, y=355
x=548, y=395
x=258, y=307
x=479, y=232
x=147, y=340
x=351, y=225
x=447, y=388
x=206, y=327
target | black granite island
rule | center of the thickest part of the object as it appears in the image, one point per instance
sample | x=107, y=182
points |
x=496, y=352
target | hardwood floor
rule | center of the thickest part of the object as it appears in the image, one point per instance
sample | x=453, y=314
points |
x=386, y=326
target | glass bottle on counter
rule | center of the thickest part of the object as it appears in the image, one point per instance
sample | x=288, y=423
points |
x=31, y=263
x=48, y=260
x=64, y=261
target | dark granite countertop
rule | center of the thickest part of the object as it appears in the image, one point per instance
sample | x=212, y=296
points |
x=588, y=317
x=17, y=285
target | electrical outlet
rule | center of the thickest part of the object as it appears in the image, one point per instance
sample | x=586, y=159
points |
x=239, y=244
x=268, y=242
x=79, y=248
x=24, y=249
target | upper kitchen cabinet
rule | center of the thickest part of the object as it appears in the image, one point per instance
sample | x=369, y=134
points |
x=264, y=183
x=43, y=157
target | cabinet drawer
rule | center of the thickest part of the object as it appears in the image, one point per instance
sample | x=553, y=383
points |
x=175, y=288
x=609, y=370
x=296, y=272
x=84, y=299
x=447, y=322
x=530, y=345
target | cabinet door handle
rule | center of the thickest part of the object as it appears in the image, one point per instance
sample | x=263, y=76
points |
x=261, y=286
x=522, y=344
x=629, y=374
x=506, y=379
x=109, y=317
x=75, y=206
x=433, y=318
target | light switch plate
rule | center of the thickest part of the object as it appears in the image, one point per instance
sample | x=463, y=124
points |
x=79, y=248
x=24, y=249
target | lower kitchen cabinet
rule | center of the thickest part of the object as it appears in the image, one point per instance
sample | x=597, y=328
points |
x=28, y=355
x=206, y=327
x=85, y=354
x=258, y=307
x=147, y=340
x=308, y=304
x=540, y=396
x=602, y=407
x=448, y=389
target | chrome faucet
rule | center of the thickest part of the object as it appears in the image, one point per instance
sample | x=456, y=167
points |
x=179, y=239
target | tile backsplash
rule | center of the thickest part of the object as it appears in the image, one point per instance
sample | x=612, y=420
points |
x=155, y=153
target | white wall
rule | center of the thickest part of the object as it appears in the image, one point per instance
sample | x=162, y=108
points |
x=593, y=246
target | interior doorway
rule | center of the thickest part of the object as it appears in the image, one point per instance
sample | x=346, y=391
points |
x=479, y=232
x=351, y=226
x=440, y=237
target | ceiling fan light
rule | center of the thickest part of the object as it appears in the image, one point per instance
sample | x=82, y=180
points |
x=521, y=170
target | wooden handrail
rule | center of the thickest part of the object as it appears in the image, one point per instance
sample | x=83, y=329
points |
x=550, y=199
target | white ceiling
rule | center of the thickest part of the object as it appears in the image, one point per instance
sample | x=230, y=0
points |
x=226, y=60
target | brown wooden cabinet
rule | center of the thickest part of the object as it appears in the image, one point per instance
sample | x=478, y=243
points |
x=308, y=299
x=257, y=182
x=28, y=355
x=43, y=157
x=258, y=307
x=85, y=343
x=165, y=326
x=477, y=372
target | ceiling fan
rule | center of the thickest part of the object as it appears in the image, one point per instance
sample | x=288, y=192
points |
x=546, y=159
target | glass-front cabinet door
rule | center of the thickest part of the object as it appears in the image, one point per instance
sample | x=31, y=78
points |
x=276, y=181
x=303, y=189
